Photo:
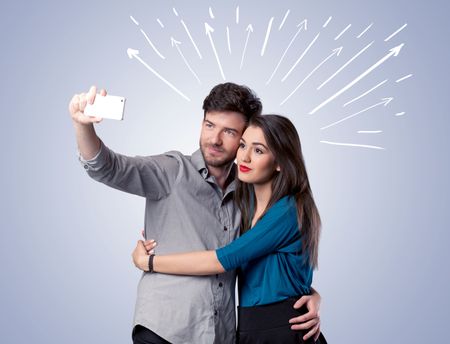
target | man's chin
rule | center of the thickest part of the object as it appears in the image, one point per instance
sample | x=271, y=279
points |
x=216, y=161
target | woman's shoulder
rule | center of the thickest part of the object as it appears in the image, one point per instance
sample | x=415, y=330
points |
x=284, y=205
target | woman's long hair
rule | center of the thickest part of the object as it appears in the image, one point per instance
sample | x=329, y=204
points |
x=292, y=179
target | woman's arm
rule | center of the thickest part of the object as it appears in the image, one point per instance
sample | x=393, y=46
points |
x=193, y=263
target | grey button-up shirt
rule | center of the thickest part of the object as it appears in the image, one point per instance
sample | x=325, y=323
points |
x=185, y=211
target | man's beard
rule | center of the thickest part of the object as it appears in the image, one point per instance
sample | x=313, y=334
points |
x=215, y=162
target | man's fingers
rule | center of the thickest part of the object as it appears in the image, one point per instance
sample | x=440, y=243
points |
x=103, y=92
x=91, y=94
x=73, y=105
x=305, y=325
x=313, y=332
x=82, y=101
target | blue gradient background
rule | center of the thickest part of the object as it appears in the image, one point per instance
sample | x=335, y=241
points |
x=67, y=275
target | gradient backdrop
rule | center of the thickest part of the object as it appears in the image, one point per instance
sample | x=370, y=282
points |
x=66, y=241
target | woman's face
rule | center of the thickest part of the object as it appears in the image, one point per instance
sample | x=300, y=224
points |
x=256, y=163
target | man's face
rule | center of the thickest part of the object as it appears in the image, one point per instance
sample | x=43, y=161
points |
x=220, y=136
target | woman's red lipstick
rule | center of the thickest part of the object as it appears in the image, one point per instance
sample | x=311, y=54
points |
x=244, y=169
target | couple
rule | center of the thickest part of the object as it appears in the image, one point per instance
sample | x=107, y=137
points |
x=190, y=206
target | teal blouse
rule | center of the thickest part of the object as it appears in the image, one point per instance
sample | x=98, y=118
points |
x=269, y=256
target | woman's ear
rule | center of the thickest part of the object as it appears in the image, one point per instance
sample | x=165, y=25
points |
x=278, y=169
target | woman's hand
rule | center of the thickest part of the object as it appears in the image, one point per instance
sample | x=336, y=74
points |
x=311, y=320
x=141, y=253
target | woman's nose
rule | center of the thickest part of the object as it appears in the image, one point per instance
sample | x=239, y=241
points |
x=245, y=157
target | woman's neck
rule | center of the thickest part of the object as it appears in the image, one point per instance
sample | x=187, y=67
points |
x=263, y=192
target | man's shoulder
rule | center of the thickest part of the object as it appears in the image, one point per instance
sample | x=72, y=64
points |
x=177, y=155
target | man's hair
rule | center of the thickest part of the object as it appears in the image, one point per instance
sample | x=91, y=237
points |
x=233, y=97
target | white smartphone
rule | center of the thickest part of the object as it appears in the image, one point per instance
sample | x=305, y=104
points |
x=106, y=107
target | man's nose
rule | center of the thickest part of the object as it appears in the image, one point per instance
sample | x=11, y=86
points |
x=216, y=139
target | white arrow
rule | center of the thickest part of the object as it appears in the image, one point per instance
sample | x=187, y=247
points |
x=345, y=65
x=152, y=45
x=269, y=28
x=249, y=30
x=192, y=40
x=335, y=52
x=365, y=93
x=228, y=40
x=385, y=101
x=351, y=145
x=176, y=44
x=209, y=30
x=393, y=52
x=301, y=26
x=135, y=53
x=301, y=57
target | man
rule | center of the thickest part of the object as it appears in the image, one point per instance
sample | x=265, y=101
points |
x=189, y=206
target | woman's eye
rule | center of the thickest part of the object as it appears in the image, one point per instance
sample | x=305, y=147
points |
x=241, y=145
x=258, y=151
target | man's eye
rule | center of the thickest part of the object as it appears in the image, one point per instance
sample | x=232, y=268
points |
x=229, y=132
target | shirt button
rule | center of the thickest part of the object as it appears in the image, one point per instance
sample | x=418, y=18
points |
x=225, y=228
x=215, y=312
x=86, y=167
x=220, y=284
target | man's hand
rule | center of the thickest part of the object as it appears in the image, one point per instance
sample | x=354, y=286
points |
x=78, y=104
x=311, y=320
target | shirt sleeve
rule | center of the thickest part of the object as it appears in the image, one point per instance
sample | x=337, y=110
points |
x=149, y=176
x=277, y=228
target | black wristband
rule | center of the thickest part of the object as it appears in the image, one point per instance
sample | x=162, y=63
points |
x=150, y=262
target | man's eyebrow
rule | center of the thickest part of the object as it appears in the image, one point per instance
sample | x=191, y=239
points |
x=232, y=129
x=206, y=120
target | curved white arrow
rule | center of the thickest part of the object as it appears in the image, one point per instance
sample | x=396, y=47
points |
x=335, y=52
x=192, y=40
x=351, y=145
x=301, y=57
x=135, y=53
x=249, y=30
x=176, y=44
x=385, y=101
x=393, y=52
x=209, y=30
x=302, y=26
x=345, y=65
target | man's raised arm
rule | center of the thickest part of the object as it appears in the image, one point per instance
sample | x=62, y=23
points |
x=147, y=176
x=87, y=140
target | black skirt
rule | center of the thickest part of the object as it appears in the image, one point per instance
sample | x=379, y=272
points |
x=269, y=324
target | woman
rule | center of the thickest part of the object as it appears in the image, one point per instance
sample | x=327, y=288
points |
x=280, y=227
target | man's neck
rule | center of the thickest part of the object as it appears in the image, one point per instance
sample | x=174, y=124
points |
x=220, y=174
